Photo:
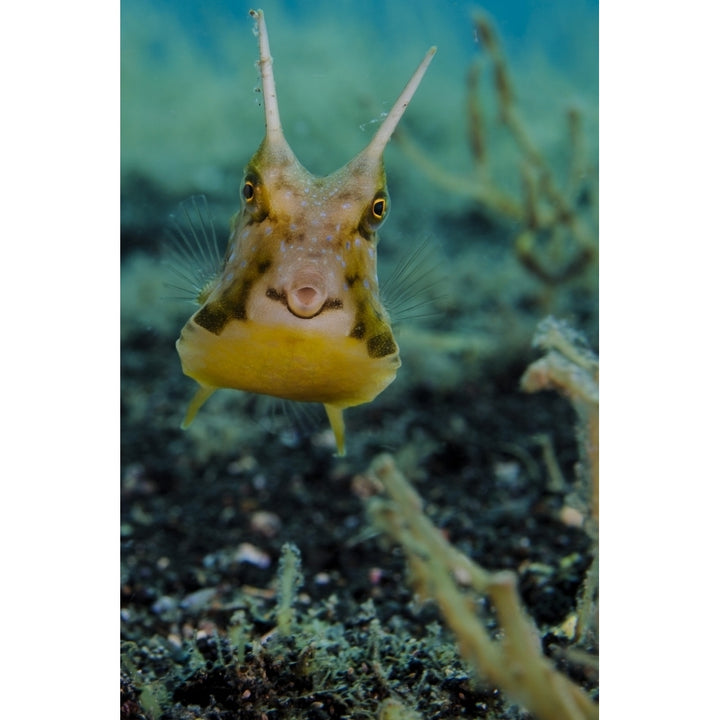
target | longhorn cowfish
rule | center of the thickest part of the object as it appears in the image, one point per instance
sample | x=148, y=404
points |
x=295, y=311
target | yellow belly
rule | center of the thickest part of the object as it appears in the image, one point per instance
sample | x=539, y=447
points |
x=285, y=362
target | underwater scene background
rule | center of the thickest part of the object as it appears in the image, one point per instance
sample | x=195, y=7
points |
x=258, y=579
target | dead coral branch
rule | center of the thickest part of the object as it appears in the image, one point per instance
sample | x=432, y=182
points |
x=555, y=241
x=572, y=369
x=514, y=662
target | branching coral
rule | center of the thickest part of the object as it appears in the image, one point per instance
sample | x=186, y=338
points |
x=513, y=661
x=570, y=368
x=555, y=241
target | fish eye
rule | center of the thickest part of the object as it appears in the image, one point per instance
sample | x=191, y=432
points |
x=378, y=208
x=254, y=196
x=376, y=212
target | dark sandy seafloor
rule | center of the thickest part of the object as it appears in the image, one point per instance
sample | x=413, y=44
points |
x=206, y=512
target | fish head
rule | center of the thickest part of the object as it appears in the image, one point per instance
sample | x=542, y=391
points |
x=308, y=245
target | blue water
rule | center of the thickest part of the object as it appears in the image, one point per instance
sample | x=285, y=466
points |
x=364, y=50
x=558, y=26
x=192, y=111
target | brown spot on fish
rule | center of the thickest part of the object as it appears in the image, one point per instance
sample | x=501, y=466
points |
x=212, y=317
x=263, y=266
x=358, y=330
x=381, y=345
x=236, y=296
x=273, y=294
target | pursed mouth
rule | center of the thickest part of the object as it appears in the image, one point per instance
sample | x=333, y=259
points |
x=303, y=302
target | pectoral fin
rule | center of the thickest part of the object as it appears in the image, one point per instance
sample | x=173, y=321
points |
x=335, y=416
x=198, y=400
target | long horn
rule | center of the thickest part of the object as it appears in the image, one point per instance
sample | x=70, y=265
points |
x=273, y=129
x=374, y=150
